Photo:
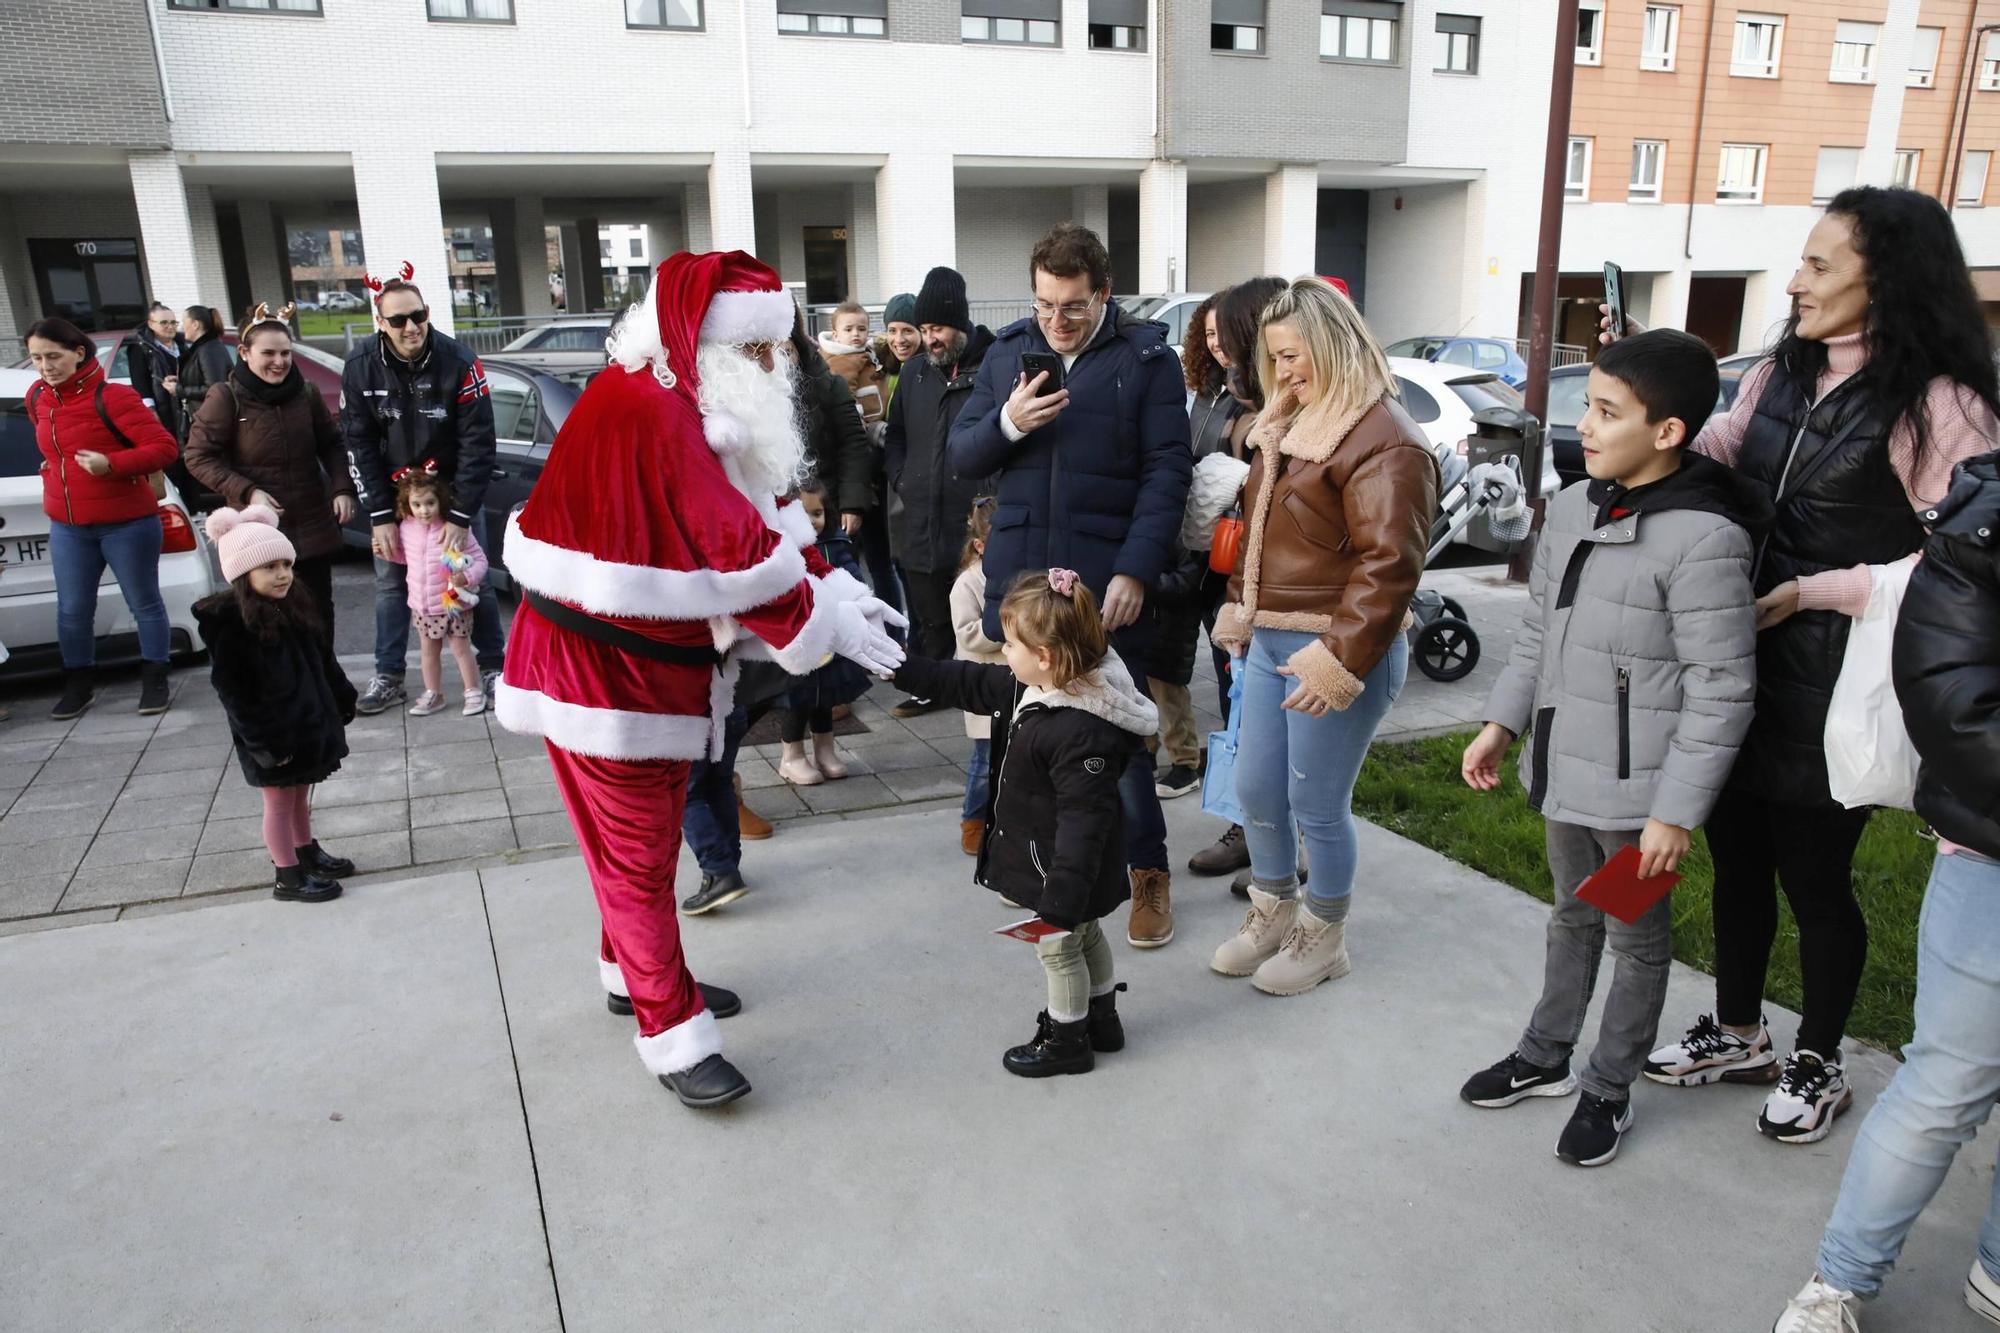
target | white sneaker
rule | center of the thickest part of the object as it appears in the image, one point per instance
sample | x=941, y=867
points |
x=1821, y=1307
x=427, y=703
x=475, y=704
x=1982, y=1294
x=1707, y=1054
x=1810, y=1093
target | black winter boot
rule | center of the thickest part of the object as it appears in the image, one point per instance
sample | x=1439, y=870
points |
x=79, y=694
x=154, y=698
x=315, y=859
x=713, y=1082
x=1107, y=1034
x=1057, y=1048
x=722, y=1003
x=296, y=884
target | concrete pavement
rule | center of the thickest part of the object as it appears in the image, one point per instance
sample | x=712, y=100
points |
x=115, y=810
x=409, y=1110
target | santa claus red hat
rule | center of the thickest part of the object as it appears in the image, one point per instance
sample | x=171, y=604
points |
x=725, y=296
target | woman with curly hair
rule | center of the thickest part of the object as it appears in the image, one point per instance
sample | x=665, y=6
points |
x=1881, y=382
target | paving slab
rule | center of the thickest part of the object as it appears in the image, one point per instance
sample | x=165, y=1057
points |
x=141, y=812
x=548, y=830
x=476, y=838
x=342, y=821
x=116, y=885
x=310, y=1122
x=539, y=798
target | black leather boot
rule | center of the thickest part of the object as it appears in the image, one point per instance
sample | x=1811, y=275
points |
x=1057, y=1048
x=315, y=859
x=722, y=1003
x=79, y=692
x=1107, y=1034
x=296, y=884
x=713, y=1082
x=154, y=697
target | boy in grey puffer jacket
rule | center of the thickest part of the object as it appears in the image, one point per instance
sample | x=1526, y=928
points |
x=1634, y=674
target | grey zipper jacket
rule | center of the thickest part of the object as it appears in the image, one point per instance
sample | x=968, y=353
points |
x=1634, y=674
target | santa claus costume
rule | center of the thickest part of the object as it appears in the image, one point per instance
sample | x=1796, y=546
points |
x=655, y=554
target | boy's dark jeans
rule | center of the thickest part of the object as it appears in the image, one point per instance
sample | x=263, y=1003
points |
x=1577, y=934
x=708, y=821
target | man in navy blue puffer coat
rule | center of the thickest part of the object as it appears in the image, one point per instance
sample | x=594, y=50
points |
x=1093, y=478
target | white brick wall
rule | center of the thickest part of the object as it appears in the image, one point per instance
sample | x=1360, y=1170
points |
x=997, y=229
x=1225, y=233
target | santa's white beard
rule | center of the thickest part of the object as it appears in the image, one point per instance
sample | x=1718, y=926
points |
x=760, y=404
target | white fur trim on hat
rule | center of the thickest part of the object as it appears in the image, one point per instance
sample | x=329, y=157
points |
x=610, y=588
x=611, y=978
x=682, y=1046
x=606, y=733
x=748, y=317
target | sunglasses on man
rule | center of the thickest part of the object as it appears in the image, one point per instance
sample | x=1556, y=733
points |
x=418, y=317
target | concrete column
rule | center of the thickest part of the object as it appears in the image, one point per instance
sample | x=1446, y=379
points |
x=700, y=235
x=1885, y=109
x=1667, y=306
x=567, y=243
x=264, y=253
x=396, y=197
x=864, y=247
x=177, y=229
x=16, y=312
x=1090, y=206
x=1765, y=306
x=1291, y=220
x=732, y=214
x=916, y=216
x=583, y=267
x=521, y=256
x=1163, y=227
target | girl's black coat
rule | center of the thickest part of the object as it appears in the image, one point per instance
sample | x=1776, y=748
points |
x=287, y=700
x=1055, y=828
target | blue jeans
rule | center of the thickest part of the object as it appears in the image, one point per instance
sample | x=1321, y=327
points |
x=392, y=617
x=1943, y=1092
x=80, y=551
x=976, y=771
x=708, y=820
x=882, y=573
x=1145, y=822
x=1295, y=773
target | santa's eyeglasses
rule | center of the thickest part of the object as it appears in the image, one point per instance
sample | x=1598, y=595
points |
x=756, y=351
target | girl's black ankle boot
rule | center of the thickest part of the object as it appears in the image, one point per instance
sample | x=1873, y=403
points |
x=1057, y=1048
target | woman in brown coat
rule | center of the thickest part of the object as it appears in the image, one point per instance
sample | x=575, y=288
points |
x=1339, y=506
x=264, y=436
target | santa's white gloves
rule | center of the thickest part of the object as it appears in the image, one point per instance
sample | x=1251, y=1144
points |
x=881, y=615
x=857, y=638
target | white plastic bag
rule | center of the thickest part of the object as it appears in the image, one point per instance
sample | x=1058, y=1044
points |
x=1869, y=758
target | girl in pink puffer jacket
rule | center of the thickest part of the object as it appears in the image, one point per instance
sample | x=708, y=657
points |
x=441, y=596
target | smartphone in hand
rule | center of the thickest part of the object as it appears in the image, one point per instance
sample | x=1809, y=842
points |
x=1037, y=363
x=1614, y=296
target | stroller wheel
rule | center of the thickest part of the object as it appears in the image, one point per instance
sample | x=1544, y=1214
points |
x=1453, y=609
x=1447, y=649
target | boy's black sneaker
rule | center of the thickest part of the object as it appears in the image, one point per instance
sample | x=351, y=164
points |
x=383, y=693
x=1513, y=1079
x=915, y=707
x=1594, y=1130
x=77, y=696
x=1176, y=781
x=715, y=891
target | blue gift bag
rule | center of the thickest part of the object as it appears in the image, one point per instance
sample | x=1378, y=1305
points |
x=1218, y=787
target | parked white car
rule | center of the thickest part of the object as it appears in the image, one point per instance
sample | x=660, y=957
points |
x=27, y=577
x=1173, y=311
x=341, y=300
x=1442, y=398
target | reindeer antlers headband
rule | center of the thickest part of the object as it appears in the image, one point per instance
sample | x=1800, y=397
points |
x=375, y=284
x=262, y=315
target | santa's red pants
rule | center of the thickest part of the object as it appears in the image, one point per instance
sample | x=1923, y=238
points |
x=627, y=817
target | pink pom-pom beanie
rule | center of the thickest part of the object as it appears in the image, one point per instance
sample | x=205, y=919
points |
x=247, y=538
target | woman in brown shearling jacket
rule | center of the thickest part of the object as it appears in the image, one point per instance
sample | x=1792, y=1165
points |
x=264, y=436
x=1339, y=503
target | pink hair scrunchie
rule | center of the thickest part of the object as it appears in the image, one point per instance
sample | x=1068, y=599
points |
x=1063, y=581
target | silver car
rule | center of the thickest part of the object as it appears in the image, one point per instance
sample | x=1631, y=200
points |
x=569, y=344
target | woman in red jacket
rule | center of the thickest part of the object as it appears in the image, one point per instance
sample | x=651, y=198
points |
x=100, y=444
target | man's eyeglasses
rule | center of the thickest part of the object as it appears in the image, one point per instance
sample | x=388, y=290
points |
x=1075, y=312
x=418, y=316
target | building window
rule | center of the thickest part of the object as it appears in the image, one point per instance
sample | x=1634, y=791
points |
x=1837, y=169
x=1909, y=161
x=1662, y=39
x=638, y=248
x=250, y=6
x=1989, y=64
x=1854, y=52
x=1972, y=178
x=834, y=18
x=1117, y=25
x=1760, y=40
x=472, y=11
x=1236, y=25
x=1358, y=30
x=1590, y=32
x=1649, y=159
x=1576, y=178
x=1741, y=180
x=1015, y=22
x=1458, y=44
x=684, y=14
x=1924, y=58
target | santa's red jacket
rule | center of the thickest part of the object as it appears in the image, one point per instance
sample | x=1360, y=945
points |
x=637, y=520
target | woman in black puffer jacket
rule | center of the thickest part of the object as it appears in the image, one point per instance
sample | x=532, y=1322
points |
x=1947, y=669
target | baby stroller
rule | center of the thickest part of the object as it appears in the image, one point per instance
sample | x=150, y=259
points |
x=1442, y=640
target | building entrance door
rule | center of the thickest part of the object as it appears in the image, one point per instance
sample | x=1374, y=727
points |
x=95, y=285
x=826, y=265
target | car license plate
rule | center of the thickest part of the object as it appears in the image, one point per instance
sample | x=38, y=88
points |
x=25, y=550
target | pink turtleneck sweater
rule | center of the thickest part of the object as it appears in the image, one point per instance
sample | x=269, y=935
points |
x=1961, y=427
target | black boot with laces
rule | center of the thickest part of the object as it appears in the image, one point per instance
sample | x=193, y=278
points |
x=1057, y=1048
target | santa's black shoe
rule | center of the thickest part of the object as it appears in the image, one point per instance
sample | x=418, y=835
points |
x=722, y=1003
x=713, y=1082
x=318, y=861
x=296, y=884
x=1057, y=1048
x=1107, y=1034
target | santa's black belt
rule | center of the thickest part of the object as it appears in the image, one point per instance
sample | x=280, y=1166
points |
x=616, y=636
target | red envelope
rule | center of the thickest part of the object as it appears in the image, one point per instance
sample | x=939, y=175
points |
x=1617, y=888
x=1034, y=930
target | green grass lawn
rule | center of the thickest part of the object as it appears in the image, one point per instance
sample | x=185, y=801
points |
x=328, y=323
x=1415, y=789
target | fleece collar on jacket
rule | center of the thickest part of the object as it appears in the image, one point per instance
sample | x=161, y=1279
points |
x=1312, y=439
x=829, y=347
x=1107, y=692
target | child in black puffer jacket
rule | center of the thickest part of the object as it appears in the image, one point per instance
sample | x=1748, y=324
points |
x=287, y=700
x=1066, y=720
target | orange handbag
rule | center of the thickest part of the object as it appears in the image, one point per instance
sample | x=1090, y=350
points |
x=1227, y=548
